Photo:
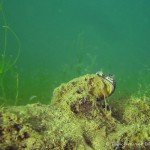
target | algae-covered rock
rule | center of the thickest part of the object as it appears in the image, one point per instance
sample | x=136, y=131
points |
x=77, y=119
x=82, y=95
x=133, y=130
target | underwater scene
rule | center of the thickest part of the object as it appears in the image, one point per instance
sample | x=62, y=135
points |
x=74, y=75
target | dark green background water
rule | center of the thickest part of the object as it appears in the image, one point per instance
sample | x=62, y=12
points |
x=63, y=39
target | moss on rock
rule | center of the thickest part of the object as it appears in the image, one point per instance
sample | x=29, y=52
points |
x=75, y=120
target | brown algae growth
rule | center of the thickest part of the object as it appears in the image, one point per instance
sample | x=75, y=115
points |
x=77, y=119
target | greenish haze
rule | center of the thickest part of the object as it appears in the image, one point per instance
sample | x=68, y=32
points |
x=63, y=39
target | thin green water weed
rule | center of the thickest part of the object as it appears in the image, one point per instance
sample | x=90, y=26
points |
x=7, y=62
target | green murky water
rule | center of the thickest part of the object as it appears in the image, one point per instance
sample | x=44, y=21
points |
x=63, y=39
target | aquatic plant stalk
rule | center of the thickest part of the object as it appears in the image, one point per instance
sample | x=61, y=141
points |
x=7, y=65
x=17, y=89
